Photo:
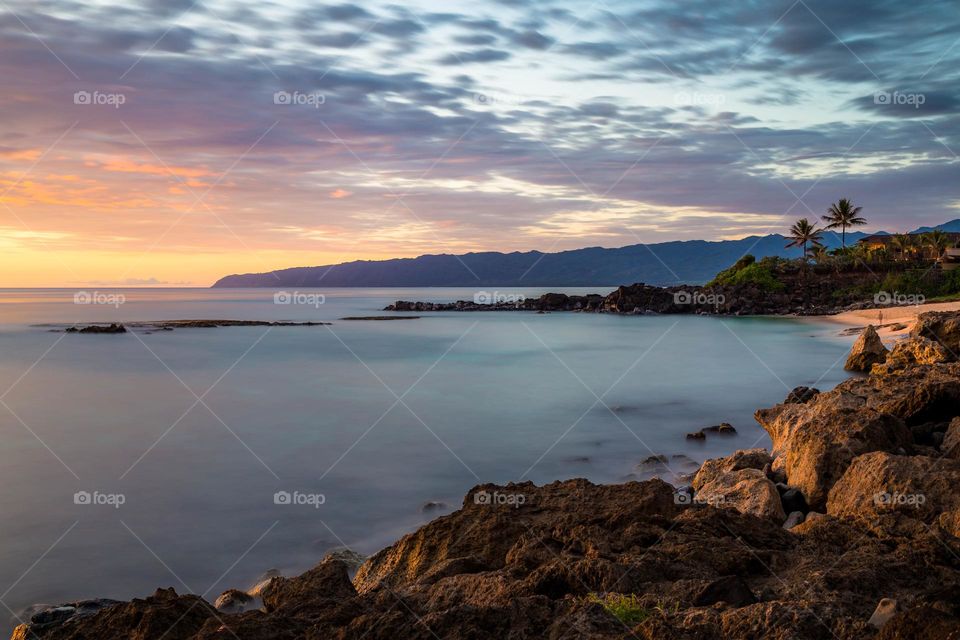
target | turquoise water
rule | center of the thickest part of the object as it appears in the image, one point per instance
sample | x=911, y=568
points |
x=315, y=410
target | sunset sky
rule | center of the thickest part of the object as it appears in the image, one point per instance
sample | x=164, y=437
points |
x=173, y=142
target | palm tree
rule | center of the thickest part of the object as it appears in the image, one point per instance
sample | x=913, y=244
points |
x=938, y=241
x=803, y=233
x=901, y=244
x=841, y=215
x=819, y=254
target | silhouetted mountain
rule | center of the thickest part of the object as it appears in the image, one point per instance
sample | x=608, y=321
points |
x=953, y=227
x=665, y=263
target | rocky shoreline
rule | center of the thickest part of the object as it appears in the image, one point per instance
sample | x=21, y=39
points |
x=848, y=529
x=813, y=298
x=170, y=325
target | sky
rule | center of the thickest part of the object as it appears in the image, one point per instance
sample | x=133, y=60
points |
x=171, y=142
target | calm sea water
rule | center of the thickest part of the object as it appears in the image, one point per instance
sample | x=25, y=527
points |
x=196, y=431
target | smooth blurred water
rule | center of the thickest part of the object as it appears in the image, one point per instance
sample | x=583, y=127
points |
x=490, y=397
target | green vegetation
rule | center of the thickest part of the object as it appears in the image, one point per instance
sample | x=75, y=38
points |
x=748, y=271
x=624, y=607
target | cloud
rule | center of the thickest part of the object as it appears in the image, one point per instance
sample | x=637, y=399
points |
x=585, y=117
x=475, y=56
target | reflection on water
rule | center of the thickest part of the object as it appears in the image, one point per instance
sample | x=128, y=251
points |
x=240, y=449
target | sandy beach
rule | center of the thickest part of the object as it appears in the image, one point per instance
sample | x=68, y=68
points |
x=891, y=322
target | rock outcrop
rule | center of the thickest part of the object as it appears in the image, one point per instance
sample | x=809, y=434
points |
x=940, y=326
x=875, y=484
x=867, y=351
x=913, y=350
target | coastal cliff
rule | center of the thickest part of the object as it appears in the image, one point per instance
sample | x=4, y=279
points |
x=848, y=529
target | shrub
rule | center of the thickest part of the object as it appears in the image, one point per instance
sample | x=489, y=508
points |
x=624, y=607
x=748, y=271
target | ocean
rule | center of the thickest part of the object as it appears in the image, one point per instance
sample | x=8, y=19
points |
x=199, y=458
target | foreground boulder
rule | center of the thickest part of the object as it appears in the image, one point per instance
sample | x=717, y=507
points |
x=710, y=470
x=867, y=351
x=878, y=483
x=747, y=491
x=816, y=441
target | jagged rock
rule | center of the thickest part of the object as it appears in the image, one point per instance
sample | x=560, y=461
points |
x=814, y=442
x=885, y=610
x=878, y=483
x=43, y=619
x=867, y=351
x=162, y=615
x=940, y=326
x=741, y=459
x=261, y=583
x=236, y=601
x=697, y=435
x=914, y=350
x=746, y=490
x=801, y=395
x=310, y=594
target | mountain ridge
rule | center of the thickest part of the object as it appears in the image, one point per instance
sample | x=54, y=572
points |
x=664, y=263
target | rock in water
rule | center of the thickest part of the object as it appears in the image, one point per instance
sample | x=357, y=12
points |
x=96, y=328
x=236, y=601
x=867, y=351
